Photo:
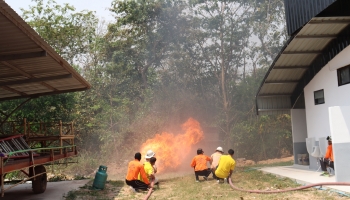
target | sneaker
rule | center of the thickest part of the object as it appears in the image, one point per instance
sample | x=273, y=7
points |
x=132, y=189
x=205, y=178
x=197, y=181
x=324, y=174
x=218, y=181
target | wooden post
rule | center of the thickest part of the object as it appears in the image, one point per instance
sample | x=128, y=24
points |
x=61, y=142
x=25, y=127
x=13, y=128
x=2, y=177
x=72, y=129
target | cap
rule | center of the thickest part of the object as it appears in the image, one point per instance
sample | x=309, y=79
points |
x=150, y=154
x=220, y=149
x=329, y=138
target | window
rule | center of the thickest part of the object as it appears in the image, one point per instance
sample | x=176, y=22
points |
x=319, y=97
x=344, y=75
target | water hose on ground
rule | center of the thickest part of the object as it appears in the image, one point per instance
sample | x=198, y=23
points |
x=149, y=191
x=289, y=189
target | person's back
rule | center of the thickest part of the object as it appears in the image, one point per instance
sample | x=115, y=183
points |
x=134, y=169
x=226, y=166
x=148, y=169
x=215, y=157
x=199, y=163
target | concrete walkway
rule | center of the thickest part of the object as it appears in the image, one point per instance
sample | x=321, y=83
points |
x=54, y=190
x=303, y=175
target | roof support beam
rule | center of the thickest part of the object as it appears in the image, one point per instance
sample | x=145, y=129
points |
x=274, y=95
x=275, y=109
x=302, y=52
x=281, y=82
x=291, y=67
x=17, y=69
x=315, y=36
x=35, y=80
x=23, y=56
x=14, y=91
x=26, y=74
x=333, y=21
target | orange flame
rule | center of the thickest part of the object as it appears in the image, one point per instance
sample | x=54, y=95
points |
x=171, y=149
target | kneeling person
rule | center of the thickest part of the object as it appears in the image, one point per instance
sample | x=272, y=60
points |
x=149, y=169
x=226, y=166
x=199, y=163
x=134, y=169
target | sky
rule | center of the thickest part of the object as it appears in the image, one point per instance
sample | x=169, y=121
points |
x=100, y=6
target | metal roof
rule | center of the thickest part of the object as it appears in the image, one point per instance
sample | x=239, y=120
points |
x=29, y=67
x=299, y=60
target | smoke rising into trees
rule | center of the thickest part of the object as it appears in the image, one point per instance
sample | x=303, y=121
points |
x=161, y=62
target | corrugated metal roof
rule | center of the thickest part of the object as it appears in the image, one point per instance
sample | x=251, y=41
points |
x=29, y=67
x=295, y=59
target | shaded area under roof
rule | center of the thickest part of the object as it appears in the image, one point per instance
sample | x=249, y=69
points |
x=299, y=61
x=29, y=67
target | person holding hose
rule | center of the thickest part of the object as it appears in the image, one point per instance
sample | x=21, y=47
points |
x=199, y=163
x=215, y=157
x=226, y=166
x=328, y=160
x=134, y=169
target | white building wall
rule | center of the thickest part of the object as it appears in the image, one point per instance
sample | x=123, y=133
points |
x=317, y=116
x=299, y=133
x=298, y=125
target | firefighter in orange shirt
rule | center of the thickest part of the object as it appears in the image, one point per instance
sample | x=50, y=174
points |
x=328, y=160
x=199, y=163
x=134, y=169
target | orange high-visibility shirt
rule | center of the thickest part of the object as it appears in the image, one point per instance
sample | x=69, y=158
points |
x=199, y=162
x=134, y=169
x=329, y=153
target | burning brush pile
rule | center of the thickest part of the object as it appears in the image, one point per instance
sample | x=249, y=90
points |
x=170, y=149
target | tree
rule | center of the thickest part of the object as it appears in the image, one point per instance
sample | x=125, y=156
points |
x=67, y=31
x=143, y=35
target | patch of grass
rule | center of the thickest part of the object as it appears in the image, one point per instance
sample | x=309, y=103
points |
x=185, y=188
x=116, y=183
x=87, y=192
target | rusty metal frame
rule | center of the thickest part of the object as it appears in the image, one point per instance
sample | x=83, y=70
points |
x=21, y=164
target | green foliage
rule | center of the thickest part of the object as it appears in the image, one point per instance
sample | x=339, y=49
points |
x=159, y=63
x=67, y=31
x=263, y=138
x=46, y=108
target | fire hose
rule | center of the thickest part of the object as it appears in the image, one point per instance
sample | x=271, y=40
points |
x=150, y=190
x=266, y=191
x=289, y=189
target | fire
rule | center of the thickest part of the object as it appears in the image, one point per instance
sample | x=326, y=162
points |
x=171, y=149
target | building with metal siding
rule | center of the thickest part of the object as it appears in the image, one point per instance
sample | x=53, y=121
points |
x=299, y=12
x=308, y=64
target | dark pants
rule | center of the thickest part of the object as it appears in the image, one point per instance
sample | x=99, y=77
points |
x=205, y=173
x=213, y=170
x=326, y=163
x=137, y=184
